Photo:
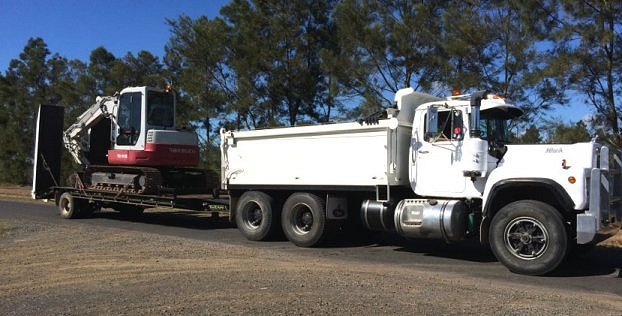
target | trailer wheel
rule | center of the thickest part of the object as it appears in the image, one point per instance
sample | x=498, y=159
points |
x=529, y=237
x=304, y=220
x=256, y=217
x=68, y=207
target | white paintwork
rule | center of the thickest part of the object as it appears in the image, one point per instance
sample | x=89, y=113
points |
x=346, y=154
x=76, y=137
x=545, y=162
x=350, y=154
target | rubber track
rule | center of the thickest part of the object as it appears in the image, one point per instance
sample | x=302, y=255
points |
x=153, y=179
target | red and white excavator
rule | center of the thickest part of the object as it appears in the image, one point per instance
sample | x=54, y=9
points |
x=129, y=143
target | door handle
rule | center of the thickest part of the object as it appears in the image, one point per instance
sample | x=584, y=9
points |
x=423, y=151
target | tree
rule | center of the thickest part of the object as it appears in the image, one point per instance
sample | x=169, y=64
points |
x=388, y=45
x=517, y=51
x=531, y=136
x=99, y=71
x=560, y=133
x=23, y=88
x=587, y=56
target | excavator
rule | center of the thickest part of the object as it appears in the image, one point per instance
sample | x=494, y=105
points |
x=128, y=144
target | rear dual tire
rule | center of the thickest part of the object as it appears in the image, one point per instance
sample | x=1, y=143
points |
x=256, y=216
x=302, y=218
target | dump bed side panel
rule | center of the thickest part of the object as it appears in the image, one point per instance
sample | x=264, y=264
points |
x=347, y=154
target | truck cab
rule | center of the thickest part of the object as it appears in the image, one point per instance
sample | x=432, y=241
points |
x=452, y=153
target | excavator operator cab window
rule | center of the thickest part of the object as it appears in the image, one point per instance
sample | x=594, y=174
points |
x=160, y=109
x=128, y=118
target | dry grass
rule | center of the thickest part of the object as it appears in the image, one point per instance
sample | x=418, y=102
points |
x=13, y=191
x=4, y=229
x=615, y=241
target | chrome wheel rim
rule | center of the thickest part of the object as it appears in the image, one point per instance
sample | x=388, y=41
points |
x=253, y=215
x=301, y=219
x=526, y=238
x=65, y=206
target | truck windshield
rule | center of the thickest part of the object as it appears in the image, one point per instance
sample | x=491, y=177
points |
x=160, y=109
x=494, y=129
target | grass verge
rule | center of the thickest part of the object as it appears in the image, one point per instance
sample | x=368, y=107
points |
x=4, y=229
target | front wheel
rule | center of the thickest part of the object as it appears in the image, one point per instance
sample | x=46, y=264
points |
x=529, y=237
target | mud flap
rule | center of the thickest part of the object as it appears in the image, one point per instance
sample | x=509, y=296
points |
x=47, y=151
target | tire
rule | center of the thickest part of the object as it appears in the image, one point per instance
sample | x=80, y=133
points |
x=256, y=217
x=529, y=237
x=68, y=207
x=304, y=220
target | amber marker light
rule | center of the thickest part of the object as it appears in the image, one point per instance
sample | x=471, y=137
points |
x=572, y=179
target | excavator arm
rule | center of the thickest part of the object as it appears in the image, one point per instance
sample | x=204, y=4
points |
x=76, y=137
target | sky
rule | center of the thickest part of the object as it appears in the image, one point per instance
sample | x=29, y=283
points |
x=73, y=28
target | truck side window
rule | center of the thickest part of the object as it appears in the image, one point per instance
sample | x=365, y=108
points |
x=129, y=118
x=449, y=126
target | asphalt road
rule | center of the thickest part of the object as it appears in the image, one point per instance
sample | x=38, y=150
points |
x=600, y=270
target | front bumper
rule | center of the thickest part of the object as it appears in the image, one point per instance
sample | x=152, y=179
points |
x=604, y=216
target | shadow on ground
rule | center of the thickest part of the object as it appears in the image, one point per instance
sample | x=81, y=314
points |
x=174, y=218
x=598, y=261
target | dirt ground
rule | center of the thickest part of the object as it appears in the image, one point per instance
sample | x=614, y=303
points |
x=71, y=269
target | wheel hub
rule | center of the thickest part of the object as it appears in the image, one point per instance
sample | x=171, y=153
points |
x=526, y=238
x=253, y=216
x=302, y=219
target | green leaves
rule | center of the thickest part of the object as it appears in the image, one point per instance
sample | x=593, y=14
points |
x=284, y=63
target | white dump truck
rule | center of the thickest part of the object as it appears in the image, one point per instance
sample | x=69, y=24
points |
x=426, y=168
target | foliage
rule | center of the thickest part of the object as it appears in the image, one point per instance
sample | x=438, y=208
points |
x=264, y=63
x=530, y=136
x=560, y=133
x=587, y=57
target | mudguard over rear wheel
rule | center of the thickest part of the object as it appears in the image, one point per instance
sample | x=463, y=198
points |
x=529, y=237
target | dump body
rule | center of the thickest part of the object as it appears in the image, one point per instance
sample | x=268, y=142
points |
x=345, y=155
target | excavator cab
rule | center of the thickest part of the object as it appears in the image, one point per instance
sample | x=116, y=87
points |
x=145, y=133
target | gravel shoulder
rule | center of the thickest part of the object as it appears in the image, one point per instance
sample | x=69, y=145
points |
x=77, y=269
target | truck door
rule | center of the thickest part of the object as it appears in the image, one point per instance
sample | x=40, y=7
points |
x=436, y=165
